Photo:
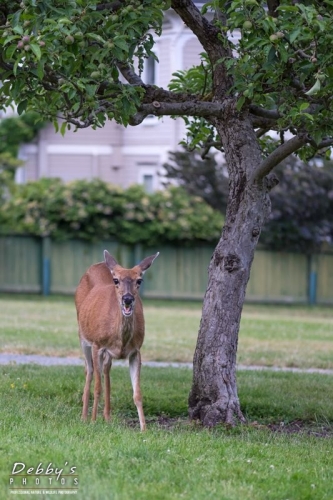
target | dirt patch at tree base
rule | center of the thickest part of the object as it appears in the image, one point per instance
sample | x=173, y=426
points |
x=300, y=427
x=295, y=427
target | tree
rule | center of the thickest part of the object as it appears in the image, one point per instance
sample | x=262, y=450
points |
x=16, y=130
x=64, y=59
x=8, y=166
x=301, y=218
x=199, y=177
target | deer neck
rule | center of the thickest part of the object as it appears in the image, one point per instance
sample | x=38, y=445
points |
x=127, y=329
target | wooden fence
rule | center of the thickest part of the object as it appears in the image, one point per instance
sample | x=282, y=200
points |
x=38, y=265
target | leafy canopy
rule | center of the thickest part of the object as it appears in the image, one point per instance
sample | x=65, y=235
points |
x=65, y=56
x=82, y=61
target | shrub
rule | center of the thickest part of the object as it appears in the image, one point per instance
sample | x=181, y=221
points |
x=95, y=210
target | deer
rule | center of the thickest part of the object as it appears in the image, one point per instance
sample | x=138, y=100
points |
x=111, y=326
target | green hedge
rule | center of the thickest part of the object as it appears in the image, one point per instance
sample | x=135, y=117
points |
x=95, y=210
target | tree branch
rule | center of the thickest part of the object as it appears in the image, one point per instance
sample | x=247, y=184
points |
x=112, y=6
x=261, y=131
x=278, y=155
x=129, y=74
x=188, y=108
x=272, y=6
x=325, y=143
x=206, y=32
x=271, y=114
x=214, y=41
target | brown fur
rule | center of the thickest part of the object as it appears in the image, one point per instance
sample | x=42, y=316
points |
x=111, y=326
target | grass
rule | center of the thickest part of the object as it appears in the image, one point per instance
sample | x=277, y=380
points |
x=296, y=336
x=40, y=424
x=264, y=460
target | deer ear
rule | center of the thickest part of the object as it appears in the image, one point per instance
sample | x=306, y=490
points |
x=147, y=262
x=109, y=260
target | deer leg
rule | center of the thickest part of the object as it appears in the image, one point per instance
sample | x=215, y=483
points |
x=89, y=370
x=135, y=367
x=98, y=380
x=107, y=362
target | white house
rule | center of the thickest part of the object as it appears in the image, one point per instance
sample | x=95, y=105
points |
x=116, y=154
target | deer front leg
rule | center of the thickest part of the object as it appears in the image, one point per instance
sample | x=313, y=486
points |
x=107, y=362
x=89, y=370
x=135, y=367
x=98, y=380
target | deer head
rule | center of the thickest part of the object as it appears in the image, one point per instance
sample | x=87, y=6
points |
x=127, y=281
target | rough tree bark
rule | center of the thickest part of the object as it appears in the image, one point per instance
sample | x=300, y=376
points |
x=213, y=396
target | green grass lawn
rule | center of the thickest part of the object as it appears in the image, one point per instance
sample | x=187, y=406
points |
x=40, y=424
x=269, y=335
x=284, y=452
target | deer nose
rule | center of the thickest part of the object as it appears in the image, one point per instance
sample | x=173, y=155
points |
x=128, y=299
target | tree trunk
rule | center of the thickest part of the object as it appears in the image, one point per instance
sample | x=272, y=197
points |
x=213, y=397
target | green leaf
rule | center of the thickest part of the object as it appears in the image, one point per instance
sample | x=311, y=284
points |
x=287, y=8
x=10, y=38
x=115, y=73
x=22, y=106
x=271, y=56
x=314, y=89
x=17, y=62
x=98, y=38
x=120, y=42
x=36, y=50
x=91, y=89
x=18, y=29
x=303, y=106
x=56, y=126
x=240, y=103
x=16, y=19
x=63, y=128
x=294, y=34
x=283, y=53
x=64, y=20
x=10, y=51
x=40, y=70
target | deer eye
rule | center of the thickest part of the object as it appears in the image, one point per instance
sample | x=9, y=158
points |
x=116, y=281
x=139, y=281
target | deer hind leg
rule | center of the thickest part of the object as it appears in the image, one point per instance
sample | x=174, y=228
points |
x=107, y=362
x=135, y=367
x=89, y=370
x=96, y=356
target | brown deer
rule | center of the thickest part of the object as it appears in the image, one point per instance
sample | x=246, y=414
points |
x=111, y=326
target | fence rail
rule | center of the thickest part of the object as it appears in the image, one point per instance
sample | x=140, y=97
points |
x=39, y=265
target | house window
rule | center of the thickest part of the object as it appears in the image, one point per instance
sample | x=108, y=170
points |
x=148, y=183
x=150, y=71
x=148, y=177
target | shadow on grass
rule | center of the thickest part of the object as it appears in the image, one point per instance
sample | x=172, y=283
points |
x=282, y=402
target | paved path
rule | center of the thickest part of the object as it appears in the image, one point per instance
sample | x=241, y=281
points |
x=23, y=359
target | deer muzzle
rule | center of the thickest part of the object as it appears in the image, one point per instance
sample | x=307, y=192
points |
x=127, y=304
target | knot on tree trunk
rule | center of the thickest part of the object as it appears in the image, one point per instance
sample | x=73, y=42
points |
x=271, y=181
x=232, y=263
x=255, y=231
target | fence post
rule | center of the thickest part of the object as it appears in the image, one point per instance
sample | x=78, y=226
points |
x=312, y=279
x=46, y=265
